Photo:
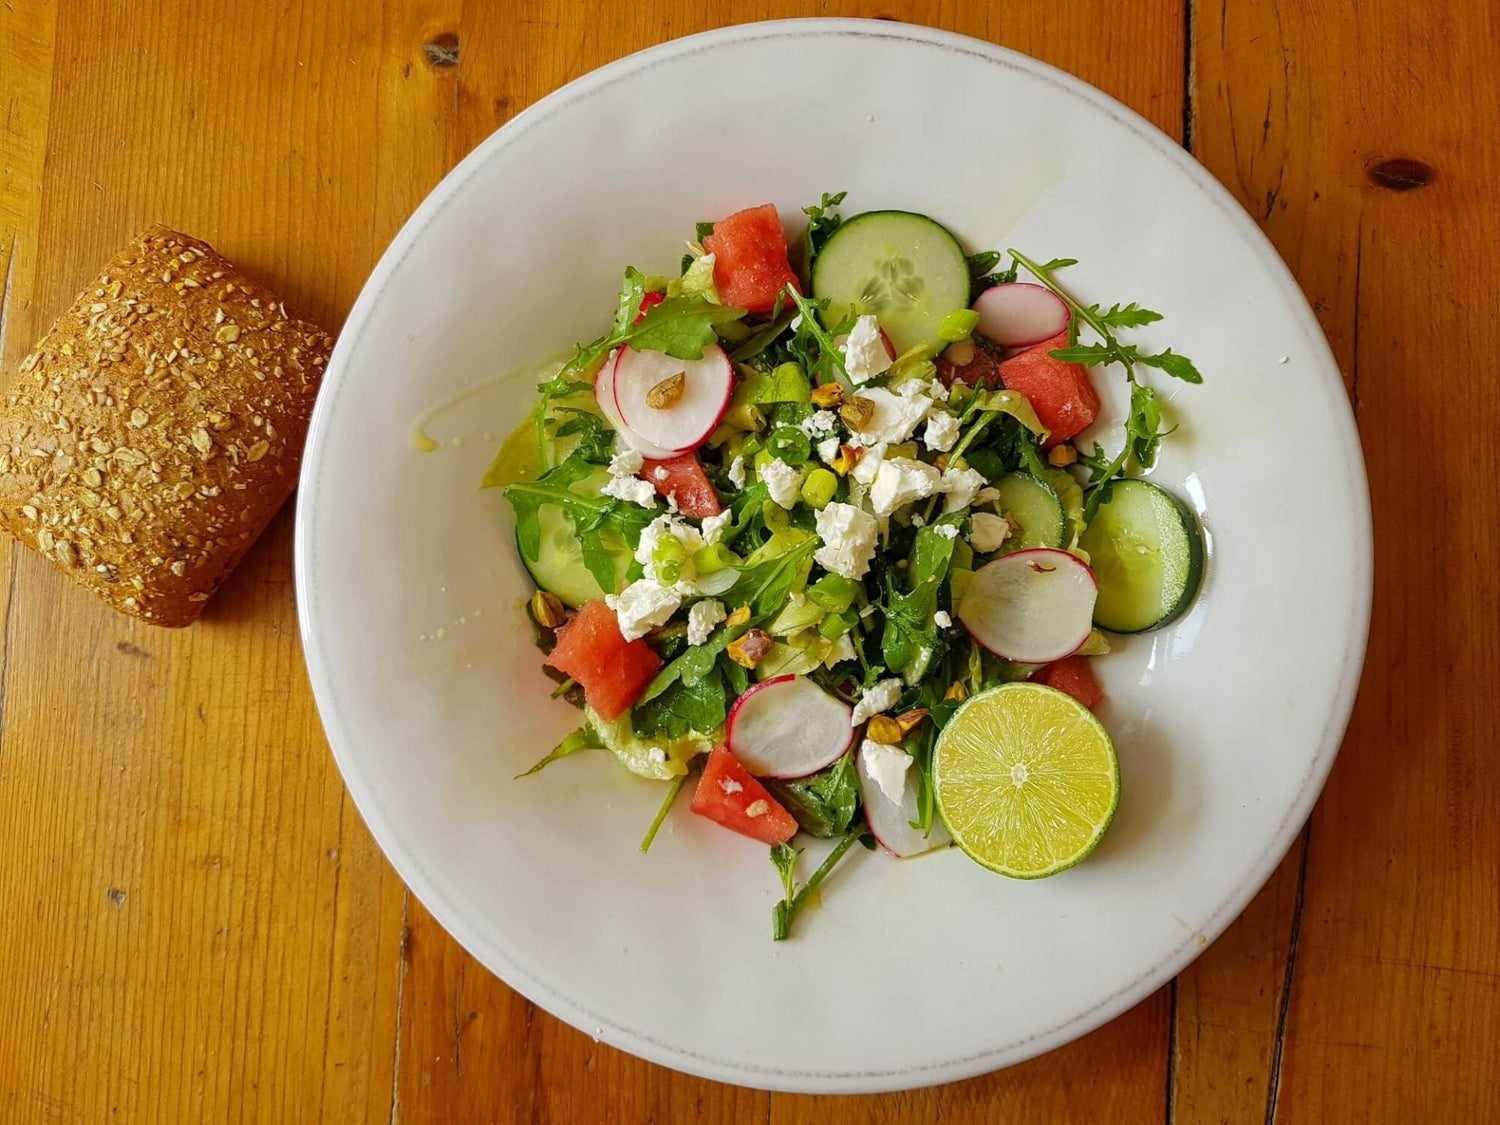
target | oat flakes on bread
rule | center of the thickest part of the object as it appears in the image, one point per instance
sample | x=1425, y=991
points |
x=155, y=430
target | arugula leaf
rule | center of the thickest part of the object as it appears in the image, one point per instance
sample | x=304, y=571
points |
x=783, y=913
x=766, y=585
x=1126, y=316
x=696, y=704
x=821, y=223
x=631, y=293
x=661, y=813
x=910, y=639
x=604, y=526
x=813, y=345
x=596, y=437
x=702, y=230
x=584, y=738
x=1177, y=366
x=1141, y=427
x=825, y=803
x=680, y=326
x=760, y=341
x=983, y=274
x=784, y=859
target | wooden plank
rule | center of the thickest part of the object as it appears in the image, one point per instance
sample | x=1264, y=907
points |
x=197, y=926
x=1365, y=145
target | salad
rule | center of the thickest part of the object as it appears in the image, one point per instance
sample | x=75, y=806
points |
x=812, y=532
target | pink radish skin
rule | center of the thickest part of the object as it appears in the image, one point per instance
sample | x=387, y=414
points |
x=1019, y=314
x=604, y=395
x=1032, y=607
x=688, y=422
x=788, y=727
x=892, y=822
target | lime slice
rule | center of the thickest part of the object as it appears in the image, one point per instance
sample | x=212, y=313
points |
x=1026, y=779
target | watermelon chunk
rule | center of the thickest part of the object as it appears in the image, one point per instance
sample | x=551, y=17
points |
x=1061, y=394
x=682, y=476
x=750, y=259
x=1073, y=675
x=729, y=796
x=612, y=670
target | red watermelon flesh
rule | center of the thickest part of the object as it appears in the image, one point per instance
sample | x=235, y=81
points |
x=682, y=476
x=612, y=670
x=750, y=259
x=1061, y=394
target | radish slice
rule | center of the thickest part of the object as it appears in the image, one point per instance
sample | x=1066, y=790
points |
x=1019, y=314
x=604, y=395
x=788, y=727
x=604, y=391
x=690, y=418
x=891, y=821
x=1032, y=607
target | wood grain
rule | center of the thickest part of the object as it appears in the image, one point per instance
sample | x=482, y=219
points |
x=1366, y=147
x=198, y=927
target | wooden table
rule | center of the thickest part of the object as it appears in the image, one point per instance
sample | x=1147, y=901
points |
x=194, y=923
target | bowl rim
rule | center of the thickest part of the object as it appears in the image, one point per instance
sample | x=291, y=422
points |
x=451, y=916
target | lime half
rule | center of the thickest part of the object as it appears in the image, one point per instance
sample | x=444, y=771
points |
x=1026, y=779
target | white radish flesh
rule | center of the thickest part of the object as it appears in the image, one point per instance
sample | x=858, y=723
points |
x=692, y=415
x=604, y=395
x=1019, y=314
x=788, y=727
x=1032, y=607
x=891, y=821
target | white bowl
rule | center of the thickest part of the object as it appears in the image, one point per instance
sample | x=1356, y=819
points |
x=910, y=972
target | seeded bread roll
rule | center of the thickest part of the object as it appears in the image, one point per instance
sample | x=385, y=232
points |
x=156, y=429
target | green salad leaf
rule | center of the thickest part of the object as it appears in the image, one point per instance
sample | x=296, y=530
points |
x=910, y=638
x=697, y=704
x=584, y=738
x=604, y=526
x=825, y=803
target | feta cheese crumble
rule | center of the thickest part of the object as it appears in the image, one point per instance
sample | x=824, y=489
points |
x=947, y=530
x=895, y=417
x=960, y=486
x=631, y=489
x=941, y=433
x=819, y=424
x=900, y=481
x=643, y=606
x=865, y=356
x=887, y=767
x=876, y=700
x=828, y=450
x=781, y=481
x=942, y=619
x=849, y=537
x=626, y=463
x=987, y=532
x=737, y=472
x=713, y=526
x=869, y=463
x=702, y=617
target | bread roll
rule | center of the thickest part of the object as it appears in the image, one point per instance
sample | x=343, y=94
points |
x=156, y=429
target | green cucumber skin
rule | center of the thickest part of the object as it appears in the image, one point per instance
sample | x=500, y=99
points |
x=1054, y=540
x=1197, y=557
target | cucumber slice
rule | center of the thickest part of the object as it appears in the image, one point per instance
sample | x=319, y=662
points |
x=670, y=757
x=905, y=268
x=1034, y=509
x=558, y=567
x=1147, y=554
